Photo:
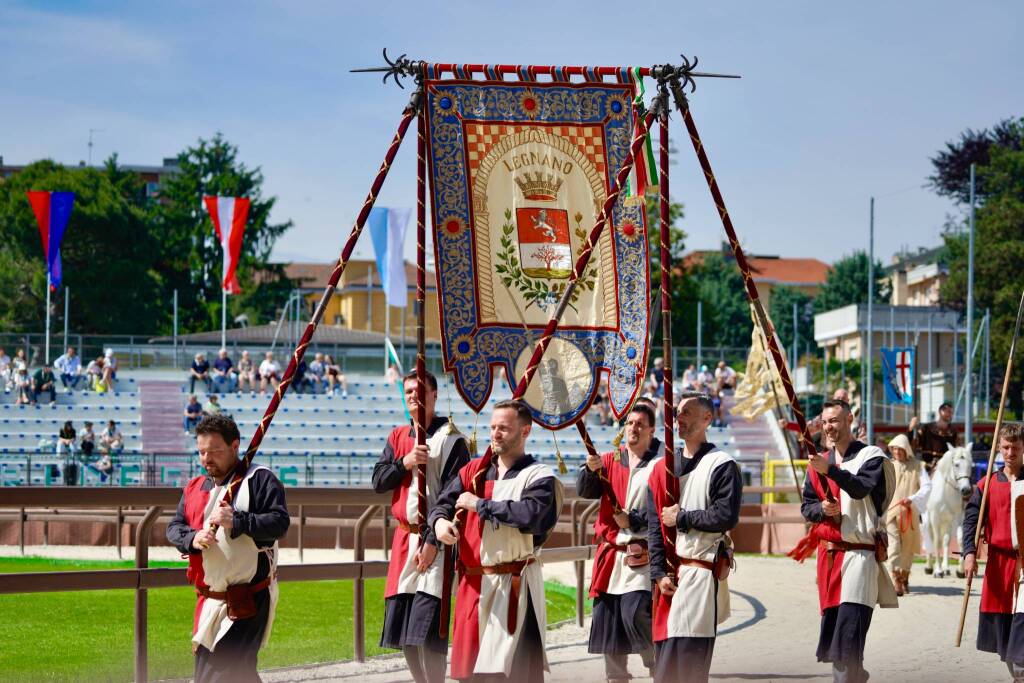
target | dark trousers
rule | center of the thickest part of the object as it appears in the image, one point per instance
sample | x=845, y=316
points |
x=233, y=659
x=683, y=660
x=620, y=626
x=412, y=624
x=844, y=631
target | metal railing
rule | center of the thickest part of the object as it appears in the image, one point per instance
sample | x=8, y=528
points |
x=70, y=504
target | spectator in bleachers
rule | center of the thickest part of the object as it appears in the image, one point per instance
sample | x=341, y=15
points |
x=87, y=440
x=111, y=439
x=725, y=376
x=43, y=382
x=270, y=372
x=5, y=370
x=104, y=466
x=705, y=380
x=690, y=378
x=193, y=413
x=223, y=372
x=246, y=373
x=23, y=386
x=69, y=367
x=94, y=375
x=66, y=438
x=300, y=382
x=200, y=370
x=657, y=377
x=317, y=374
x=18, y=362
x=109, y=369
x=335, y=377
x=212, y=407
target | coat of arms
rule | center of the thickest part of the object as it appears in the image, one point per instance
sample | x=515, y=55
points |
x=519, y=175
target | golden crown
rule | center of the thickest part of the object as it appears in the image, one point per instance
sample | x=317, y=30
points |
x=539, y=186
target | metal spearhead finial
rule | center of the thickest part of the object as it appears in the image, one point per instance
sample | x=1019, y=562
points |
x=397, y=69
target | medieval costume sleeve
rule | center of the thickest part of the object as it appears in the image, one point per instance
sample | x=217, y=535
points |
x=444, y=506
x=655, y=543
x=588, y=483
x=389, y=471
x=870, y=479
x=535, y=511
x=179, y=533
x=724, y=512
x=970, y=523
x=267, y=519
x=920, y=499
x=456, y=461
x=810, y=504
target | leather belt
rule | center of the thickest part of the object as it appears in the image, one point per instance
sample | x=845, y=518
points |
x=694, y=562
x=833, y=547
x=516, y=570
x=408, y=528
x=223, y=595
x=624, y=547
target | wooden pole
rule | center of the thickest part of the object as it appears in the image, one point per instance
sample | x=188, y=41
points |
x=991, y=464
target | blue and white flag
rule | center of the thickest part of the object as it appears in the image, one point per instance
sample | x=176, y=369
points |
x=898, y=374
x=387, y=229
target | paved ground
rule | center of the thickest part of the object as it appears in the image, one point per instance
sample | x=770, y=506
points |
x=772, y=636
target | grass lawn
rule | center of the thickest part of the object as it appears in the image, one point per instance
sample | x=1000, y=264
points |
x=87, y=636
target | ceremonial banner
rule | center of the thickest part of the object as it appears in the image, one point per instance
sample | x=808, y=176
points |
x=52, y=211
x=518, y=174
x=898, y=371
x=229, y=215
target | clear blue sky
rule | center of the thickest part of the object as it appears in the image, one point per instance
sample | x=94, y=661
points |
x=837, y=102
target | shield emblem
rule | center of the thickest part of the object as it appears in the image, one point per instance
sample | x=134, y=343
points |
x=544, y=247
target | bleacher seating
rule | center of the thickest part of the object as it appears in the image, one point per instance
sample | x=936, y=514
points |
x=315, y=439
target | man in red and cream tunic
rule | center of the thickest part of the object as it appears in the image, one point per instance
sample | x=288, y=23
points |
x=500, y=614
x=233, y=570
x=691, y=601
x=621, y=581
x=412, y=594
x=848, y=533
x=999, y=589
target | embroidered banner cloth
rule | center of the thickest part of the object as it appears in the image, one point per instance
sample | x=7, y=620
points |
x=518, y=174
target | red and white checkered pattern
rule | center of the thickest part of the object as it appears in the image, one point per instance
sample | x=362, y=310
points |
x=481, y=137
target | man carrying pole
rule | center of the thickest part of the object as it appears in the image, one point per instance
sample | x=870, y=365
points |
x=412, y=594
x=849, y=535
x=691, y=594
x=232, y=554
x=999, y=589
x=499, y=607
x=621, y=581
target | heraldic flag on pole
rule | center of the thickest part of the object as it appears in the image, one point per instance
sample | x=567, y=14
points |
x=229, y=215
x=898, y=371
x=387, y=229
x=52, y=210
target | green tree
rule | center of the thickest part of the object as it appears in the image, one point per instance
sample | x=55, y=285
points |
x=190, y=255
x=952, y=165
x=998, y=253
x=781, y=313
x=726, y=312
x=847, y=283
x=106, y=255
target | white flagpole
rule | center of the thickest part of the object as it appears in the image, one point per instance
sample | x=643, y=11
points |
x=223, y=317
x=387, y=330
x=46, y=353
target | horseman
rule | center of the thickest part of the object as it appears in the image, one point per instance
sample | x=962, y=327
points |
x=621, y=582
x=998, y=592
x=693, y=599
x=412, y=595
x=500, y=608
x=910, y=497
x=932, y=439
x=850, y=539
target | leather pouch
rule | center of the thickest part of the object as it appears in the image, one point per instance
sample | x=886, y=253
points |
x=241, y=604
x=637, y=555
x=881, y=546
x=724, y=562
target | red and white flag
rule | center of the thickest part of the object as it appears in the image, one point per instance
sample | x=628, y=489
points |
x=229, y=215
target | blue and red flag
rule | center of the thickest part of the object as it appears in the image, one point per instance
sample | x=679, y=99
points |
x=52, y=210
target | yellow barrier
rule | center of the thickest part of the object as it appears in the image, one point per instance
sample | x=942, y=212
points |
x=785, y=478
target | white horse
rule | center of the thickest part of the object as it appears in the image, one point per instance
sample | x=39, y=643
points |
x=951, y=486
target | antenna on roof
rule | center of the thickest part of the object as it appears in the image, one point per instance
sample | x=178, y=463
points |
x=91, y=131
